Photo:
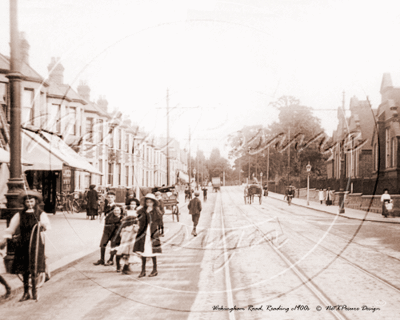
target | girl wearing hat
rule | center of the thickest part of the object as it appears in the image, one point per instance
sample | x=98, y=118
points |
x=129, y=228
x=29, y=253
x=147, y=243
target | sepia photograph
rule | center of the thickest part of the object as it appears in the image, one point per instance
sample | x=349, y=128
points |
x=199, y=160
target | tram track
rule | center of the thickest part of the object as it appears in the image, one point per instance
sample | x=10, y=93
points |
x=335, y=234
x=355, y=265
x=299, y=273
x=381, y=286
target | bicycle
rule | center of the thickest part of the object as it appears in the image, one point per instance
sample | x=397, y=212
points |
x=76, y=203
x=63, y=202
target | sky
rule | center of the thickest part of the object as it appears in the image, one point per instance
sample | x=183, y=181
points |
x=222, y=62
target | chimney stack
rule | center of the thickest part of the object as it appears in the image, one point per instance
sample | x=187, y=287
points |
x=56, y=71
x=84, y=90
x=24, y=48
x=102, y=103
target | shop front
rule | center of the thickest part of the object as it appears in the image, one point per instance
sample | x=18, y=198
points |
x=54, y=167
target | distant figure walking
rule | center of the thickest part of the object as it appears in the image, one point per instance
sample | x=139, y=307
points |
x=321, y=196
x=204, y=193
x=265, y=190
x=92, y=200
x=385, y=199
x=195, y=209
x=329, y=197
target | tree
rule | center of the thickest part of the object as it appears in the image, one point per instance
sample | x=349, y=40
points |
x=296, y=125
x=217, y=165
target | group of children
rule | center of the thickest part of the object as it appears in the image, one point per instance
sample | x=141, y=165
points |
x=126, y=229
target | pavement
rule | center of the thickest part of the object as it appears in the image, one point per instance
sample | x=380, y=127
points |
x=72, y=238
x=334, y=210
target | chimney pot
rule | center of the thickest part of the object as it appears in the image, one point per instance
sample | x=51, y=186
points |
x=56, y=71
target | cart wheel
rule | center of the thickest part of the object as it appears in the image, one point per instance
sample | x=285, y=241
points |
x=260, y=198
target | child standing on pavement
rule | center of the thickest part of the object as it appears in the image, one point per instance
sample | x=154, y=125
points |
x=109, y=202
x=111, y=226
x=129, y=228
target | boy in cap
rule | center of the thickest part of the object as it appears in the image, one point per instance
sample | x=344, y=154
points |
x=195, y=209
x=111, y=225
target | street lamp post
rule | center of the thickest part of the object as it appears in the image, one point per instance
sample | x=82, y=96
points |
x=15, y=183
x=308, y=168
x=261, y=174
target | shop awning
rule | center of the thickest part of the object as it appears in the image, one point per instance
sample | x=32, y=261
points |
x=183, y=176
x=49, y=152
x=5, y=158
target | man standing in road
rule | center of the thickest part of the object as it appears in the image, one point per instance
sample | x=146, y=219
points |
x=195, y=209
x=204, y=193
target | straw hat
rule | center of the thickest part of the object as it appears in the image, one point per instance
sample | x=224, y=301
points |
x=152, y=197
x=31, y=194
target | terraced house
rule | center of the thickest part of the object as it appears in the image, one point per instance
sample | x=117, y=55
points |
x=70, y=141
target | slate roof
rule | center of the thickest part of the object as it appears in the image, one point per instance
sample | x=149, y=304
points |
x=26, y=69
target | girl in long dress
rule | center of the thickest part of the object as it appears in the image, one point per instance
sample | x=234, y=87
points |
x=147, y=243
x=29, y=253
x=129, y=229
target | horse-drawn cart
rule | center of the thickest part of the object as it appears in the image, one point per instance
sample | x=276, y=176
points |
x=170, y=200
x=251, y=191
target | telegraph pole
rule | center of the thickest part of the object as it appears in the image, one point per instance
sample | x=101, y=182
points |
x=268, y=167
x=240, y=169
x=190, y=167
x=197, y=168
x=288, y=174
x=168, y=138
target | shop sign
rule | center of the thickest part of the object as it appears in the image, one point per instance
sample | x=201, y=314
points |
x=66, y=178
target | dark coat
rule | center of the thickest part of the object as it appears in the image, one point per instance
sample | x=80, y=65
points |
x=195, y=206
x=108, y=208
x=92, y=198
x=24, y=260
x=152, y=218
x=110, y=233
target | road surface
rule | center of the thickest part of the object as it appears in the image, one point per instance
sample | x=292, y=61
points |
x=258, y=261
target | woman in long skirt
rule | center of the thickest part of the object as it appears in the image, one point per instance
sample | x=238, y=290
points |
x=92, y=198
x=147, y=243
